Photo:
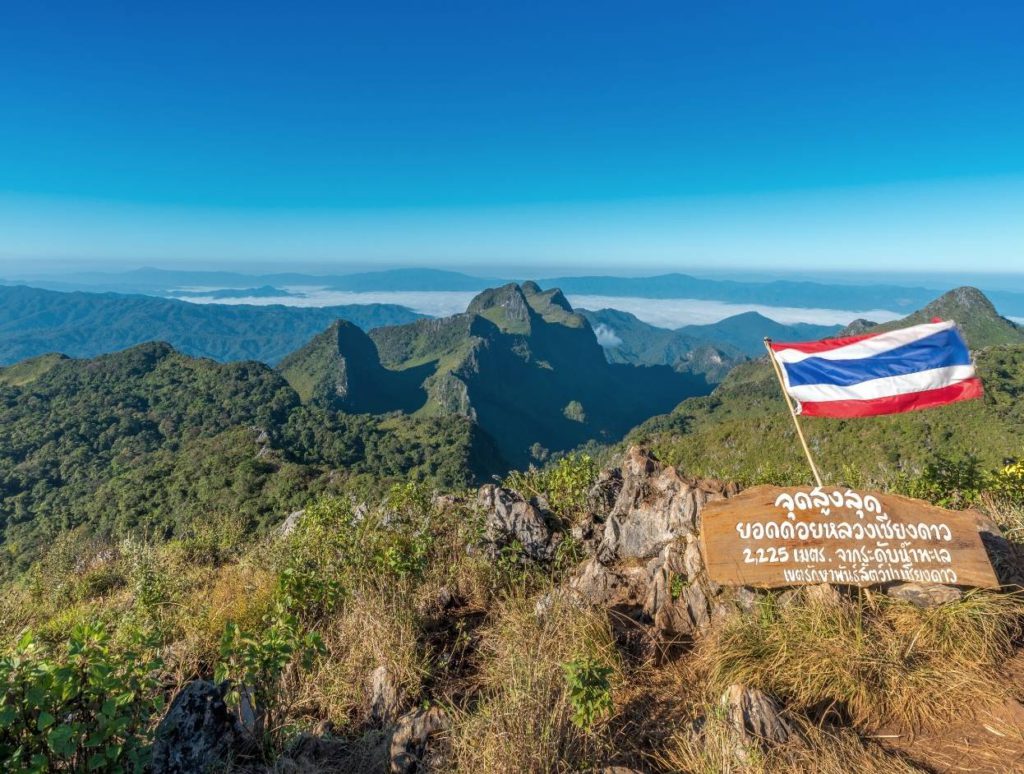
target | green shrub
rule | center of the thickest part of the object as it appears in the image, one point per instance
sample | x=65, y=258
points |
x=1008, y=483
x=589, y=690
x=947, y=482
x=85, y=708
x=565, y=484
x=254, y=663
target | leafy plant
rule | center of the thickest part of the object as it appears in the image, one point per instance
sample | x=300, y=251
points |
x=254, y=663
x=87, y=708
x=1008, y=483
x=564, y=485
x=948, y=482
x=590, y=690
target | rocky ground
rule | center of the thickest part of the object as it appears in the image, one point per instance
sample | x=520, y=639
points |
x=641, y=564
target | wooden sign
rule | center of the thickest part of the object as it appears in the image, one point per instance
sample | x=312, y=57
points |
x=769, y=537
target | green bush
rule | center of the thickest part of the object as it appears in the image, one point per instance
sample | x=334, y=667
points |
x=1008, y=483
x=86, y=708
x=947, y=482
x=590, y=690
x=565, y=484
x=254, y=663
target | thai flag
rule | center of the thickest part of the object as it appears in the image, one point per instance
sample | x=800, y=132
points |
x=879, y=373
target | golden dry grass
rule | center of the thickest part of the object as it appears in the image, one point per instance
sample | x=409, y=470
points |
x=714, y=749
x=875, y=660
x=377, y=625
x=522, y=720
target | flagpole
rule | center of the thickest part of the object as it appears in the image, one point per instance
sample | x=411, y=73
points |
x=792, y=409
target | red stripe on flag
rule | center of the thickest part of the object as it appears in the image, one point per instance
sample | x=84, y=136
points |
x=811, y=347
x=968, y=389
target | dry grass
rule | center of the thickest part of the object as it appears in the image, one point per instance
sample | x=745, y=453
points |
x=1008, y=516
x=714, y=749
x=376, y=626
x=241, y=592
x=522, y=721
x=876, y=661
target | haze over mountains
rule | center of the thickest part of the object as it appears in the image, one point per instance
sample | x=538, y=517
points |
x=521, y=365
x=152, y=435
x=869, y=293
x=34, y=322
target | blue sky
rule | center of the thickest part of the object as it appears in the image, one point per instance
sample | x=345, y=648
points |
x=587, y=136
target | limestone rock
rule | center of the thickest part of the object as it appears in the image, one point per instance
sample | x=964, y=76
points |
x=924, y=594
x=654, y=507
x=383, y=695
x=588, y=533
x=199, y=732
x=409, y=739
x=688, y=615
x=823, y=595
x=509, y=518
x=288, y=526
x=597, y=584
x=605, y=491
x=754, y=717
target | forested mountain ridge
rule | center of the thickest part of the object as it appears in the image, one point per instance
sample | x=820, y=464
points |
x=152, y=439
x=975, y=315
x=743, y=429
x=340, y=369
x=34, y=322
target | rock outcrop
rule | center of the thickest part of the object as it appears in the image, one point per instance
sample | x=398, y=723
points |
x=199, y=732
x=654, y=507
x=754, y=720
x=409, y=739
x=509, y=519
x=642, y=546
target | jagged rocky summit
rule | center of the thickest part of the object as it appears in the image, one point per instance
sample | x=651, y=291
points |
x=520, y=363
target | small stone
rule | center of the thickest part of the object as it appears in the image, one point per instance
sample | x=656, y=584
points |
x=924, y=594
x=409, y=738
x=290, y=523
x=823, y=595
x=746, y=599
x=693, y=562
x=383, y=695
x=511, y=519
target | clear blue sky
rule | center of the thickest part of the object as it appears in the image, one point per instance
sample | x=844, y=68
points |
x=589, y=135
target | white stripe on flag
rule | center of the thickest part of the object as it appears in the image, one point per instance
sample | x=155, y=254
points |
x=876, y=345
x=884, y=387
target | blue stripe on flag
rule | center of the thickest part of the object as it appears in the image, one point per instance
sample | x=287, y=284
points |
x=945, y=348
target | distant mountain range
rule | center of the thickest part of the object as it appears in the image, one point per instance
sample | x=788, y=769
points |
x=712, y=350
x=848, y=296
x=34, y=322
x=154, y=438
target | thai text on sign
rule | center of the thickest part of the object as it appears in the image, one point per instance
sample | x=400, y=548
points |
x=769, y=536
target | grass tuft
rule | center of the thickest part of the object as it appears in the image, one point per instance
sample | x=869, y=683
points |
x=876, y=661
x=523, y=719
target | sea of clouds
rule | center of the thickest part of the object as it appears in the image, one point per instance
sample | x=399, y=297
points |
x=663, y=312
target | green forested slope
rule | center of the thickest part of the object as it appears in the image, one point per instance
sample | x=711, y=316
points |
x=152, y=438
x=743, y=429
x=528, y=370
